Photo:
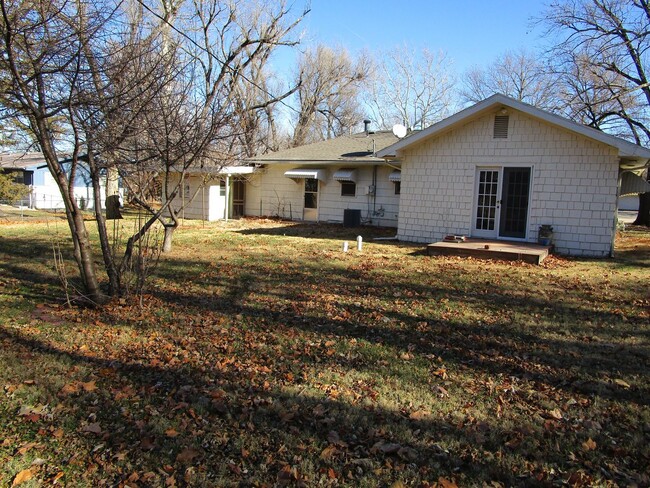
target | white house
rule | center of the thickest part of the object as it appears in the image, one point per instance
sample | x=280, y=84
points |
x=501, y=168
x=327, y=181
x=338, y=180
x=31, y=169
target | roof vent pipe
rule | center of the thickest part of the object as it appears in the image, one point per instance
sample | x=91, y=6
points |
x=366, y=126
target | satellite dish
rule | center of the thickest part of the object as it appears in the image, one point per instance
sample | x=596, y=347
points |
x=399, y=130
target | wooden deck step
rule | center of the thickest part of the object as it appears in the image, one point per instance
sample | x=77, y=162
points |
x=491, y=249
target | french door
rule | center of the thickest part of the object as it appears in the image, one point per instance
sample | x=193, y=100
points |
x=502, y=196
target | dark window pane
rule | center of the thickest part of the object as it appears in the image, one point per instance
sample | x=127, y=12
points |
x=348, y=188
x=311, y=184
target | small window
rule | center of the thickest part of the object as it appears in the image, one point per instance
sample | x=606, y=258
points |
x=398, y=187
x=348, y=188
x=501, y=126
x=222, y=188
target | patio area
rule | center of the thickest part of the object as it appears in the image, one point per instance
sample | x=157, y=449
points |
x=491, y=249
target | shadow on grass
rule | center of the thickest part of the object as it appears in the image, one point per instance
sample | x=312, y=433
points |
x=322, y=231
x=239, y=429
x=244, y=409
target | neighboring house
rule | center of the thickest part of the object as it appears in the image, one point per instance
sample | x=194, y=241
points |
x=31, y=170
x=336, y=180
x=502, y=168
x=212, y=193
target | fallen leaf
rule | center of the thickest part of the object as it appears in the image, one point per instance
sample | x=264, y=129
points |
x=69, y=389
x=328, y=453
x=419, y=414
x=555, y=414
x=445, y=483
x=24, y=475
x=621, y=383
x=408, y=454
x=89, y=386
x=389, y=448
x=147, y=443
x=333, y=437
x=93, y=428
x=187, y=455
x=56, y=477
x=589, y=445
x=398, y=484
x=171, y=433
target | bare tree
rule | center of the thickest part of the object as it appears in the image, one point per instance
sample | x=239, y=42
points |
x=410, y=87
x=329, y=83
x=613, y=38
x=592, y=97
x=130, y=95
x=43, y=45
x=520, y=75
x=202, y=115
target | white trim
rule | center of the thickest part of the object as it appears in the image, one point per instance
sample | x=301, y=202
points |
x=500, y=168
x=237, y=170
x=626, y=149
x=302, y=173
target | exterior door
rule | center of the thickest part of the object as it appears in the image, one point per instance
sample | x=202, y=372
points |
x=502, y=196
x=237, y=199
x=488, y=188
x=217, y=201
x=514, y=202
x=310, y=211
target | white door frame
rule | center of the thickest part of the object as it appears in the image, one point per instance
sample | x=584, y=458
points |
x=490, y=200
x=495, y=232
x=311, y=214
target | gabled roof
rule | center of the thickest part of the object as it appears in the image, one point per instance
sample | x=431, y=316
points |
x=356, y=148
x=626, y=149
x=21, y=160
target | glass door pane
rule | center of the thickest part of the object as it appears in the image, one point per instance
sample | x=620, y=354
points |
x=486, y=199
x=514, y=206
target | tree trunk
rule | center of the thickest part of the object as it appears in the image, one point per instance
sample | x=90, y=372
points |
x=115, y=286
x=81, y=241
x=643, y=217
x=169, y=234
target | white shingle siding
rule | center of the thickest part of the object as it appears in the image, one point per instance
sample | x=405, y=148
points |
x=573, y=185
x=279, y=196
x=199, y=207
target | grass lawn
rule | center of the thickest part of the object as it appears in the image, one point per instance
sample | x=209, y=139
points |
x=265, y=356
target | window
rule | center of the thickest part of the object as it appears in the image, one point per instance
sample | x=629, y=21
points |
x=311, y=193
x=398, y=187
x=222, y=188
x=348, y=188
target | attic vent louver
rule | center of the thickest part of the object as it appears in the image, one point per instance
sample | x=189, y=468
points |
x=501, y=126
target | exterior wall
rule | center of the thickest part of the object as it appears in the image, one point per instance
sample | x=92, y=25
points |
x=44, y=194
x=573, y=184
x=197, y=207
x=272, y=194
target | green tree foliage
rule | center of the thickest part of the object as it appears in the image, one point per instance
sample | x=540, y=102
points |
x=10, y=190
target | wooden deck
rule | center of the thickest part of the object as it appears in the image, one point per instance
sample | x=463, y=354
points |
x=489, y=249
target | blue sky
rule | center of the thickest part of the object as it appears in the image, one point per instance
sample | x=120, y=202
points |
x=471, y=32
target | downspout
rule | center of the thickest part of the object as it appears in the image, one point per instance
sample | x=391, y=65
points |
x=374, y=193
